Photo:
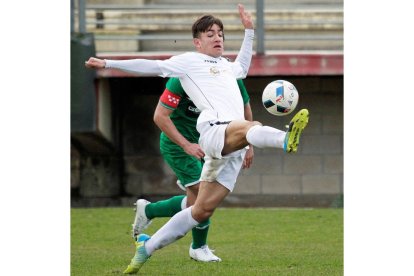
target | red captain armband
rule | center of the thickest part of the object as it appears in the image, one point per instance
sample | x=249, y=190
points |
x=170, y=99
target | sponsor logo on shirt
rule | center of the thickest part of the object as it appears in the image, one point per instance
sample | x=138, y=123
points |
x=210, y=61
x=193, y=109
x=214, y=71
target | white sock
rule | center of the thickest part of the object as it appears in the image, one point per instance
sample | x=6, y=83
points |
x=174, y=229
x=265, y=137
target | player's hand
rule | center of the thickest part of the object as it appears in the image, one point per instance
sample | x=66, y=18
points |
x=246, y=18
x=248, y=158
x=194, y=150
x=95, y=63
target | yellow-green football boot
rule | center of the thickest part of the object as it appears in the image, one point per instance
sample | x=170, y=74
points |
x=296, y=126
x=140, y=256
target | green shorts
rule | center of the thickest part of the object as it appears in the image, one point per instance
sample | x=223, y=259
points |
x=187, y=168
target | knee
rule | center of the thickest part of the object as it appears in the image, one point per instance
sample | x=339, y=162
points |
x=255, y=123
x=252, y=124
x=201, y=213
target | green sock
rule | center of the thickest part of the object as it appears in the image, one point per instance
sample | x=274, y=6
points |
x=200, y=234
x=164, y=208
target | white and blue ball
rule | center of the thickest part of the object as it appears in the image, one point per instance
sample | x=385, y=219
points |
x=280, y=97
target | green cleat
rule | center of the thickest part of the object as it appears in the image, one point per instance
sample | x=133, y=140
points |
x=296, y=125
x=140, y=256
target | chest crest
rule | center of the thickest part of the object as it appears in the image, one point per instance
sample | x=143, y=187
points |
x=214, y=71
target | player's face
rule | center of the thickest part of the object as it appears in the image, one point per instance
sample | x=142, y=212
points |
x=211, y=42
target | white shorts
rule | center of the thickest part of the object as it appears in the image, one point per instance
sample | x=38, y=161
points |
x=212, y=138
x=223, y=169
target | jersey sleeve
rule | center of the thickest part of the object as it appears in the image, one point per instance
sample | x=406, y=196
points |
x=135, y=66
x=241, y=65
x=172, y=94
x=243, y=91
x=244, y=56
x=175, y=66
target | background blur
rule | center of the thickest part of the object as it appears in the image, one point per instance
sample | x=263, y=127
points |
x=115, y=154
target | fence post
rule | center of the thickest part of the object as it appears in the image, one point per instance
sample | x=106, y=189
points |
x=82, y=16
x=260, y=50
x=72, y=16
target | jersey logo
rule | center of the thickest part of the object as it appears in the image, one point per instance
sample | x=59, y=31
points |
x=170, y=99
x=214, y=71
x=210, y=61
x=192, y=111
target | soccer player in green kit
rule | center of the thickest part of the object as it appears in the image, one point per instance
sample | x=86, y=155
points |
x=176, y=116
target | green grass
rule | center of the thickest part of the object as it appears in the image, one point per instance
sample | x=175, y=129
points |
x=249, y=241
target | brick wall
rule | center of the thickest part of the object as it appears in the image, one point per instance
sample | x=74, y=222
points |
x=313, y=176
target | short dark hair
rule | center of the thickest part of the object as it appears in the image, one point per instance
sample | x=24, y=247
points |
x=202, y=24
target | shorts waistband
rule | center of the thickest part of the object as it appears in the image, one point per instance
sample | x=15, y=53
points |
x=220, y=123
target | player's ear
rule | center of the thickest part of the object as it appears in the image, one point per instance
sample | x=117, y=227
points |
x=197, y=43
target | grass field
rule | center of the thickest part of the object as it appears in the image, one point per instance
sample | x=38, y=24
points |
x=249, y=241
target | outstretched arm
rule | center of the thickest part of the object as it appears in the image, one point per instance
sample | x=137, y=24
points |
x=245, y=54
x=136, y=66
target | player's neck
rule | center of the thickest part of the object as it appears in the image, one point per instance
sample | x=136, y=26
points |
x=213, y=56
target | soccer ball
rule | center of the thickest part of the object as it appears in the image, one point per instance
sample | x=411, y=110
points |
x=280, y=97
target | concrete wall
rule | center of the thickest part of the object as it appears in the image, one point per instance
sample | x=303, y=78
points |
x=312, y=177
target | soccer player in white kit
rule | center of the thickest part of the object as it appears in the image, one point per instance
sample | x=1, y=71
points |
x=210, y=80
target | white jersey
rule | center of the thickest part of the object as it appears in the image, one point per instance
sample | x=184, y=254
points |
x=210, y=82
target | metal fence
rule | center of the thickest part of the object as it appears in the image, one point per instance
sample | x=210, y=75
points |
x=310, y=22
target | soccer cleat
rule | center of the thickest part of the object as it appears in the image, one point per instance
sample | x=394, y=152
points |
x=141, y=222
x=203, y=254
x=140, y=257
x=296, y=125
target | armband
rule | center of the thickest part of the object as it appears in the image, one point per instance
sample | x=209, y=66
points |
x=170, y=99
